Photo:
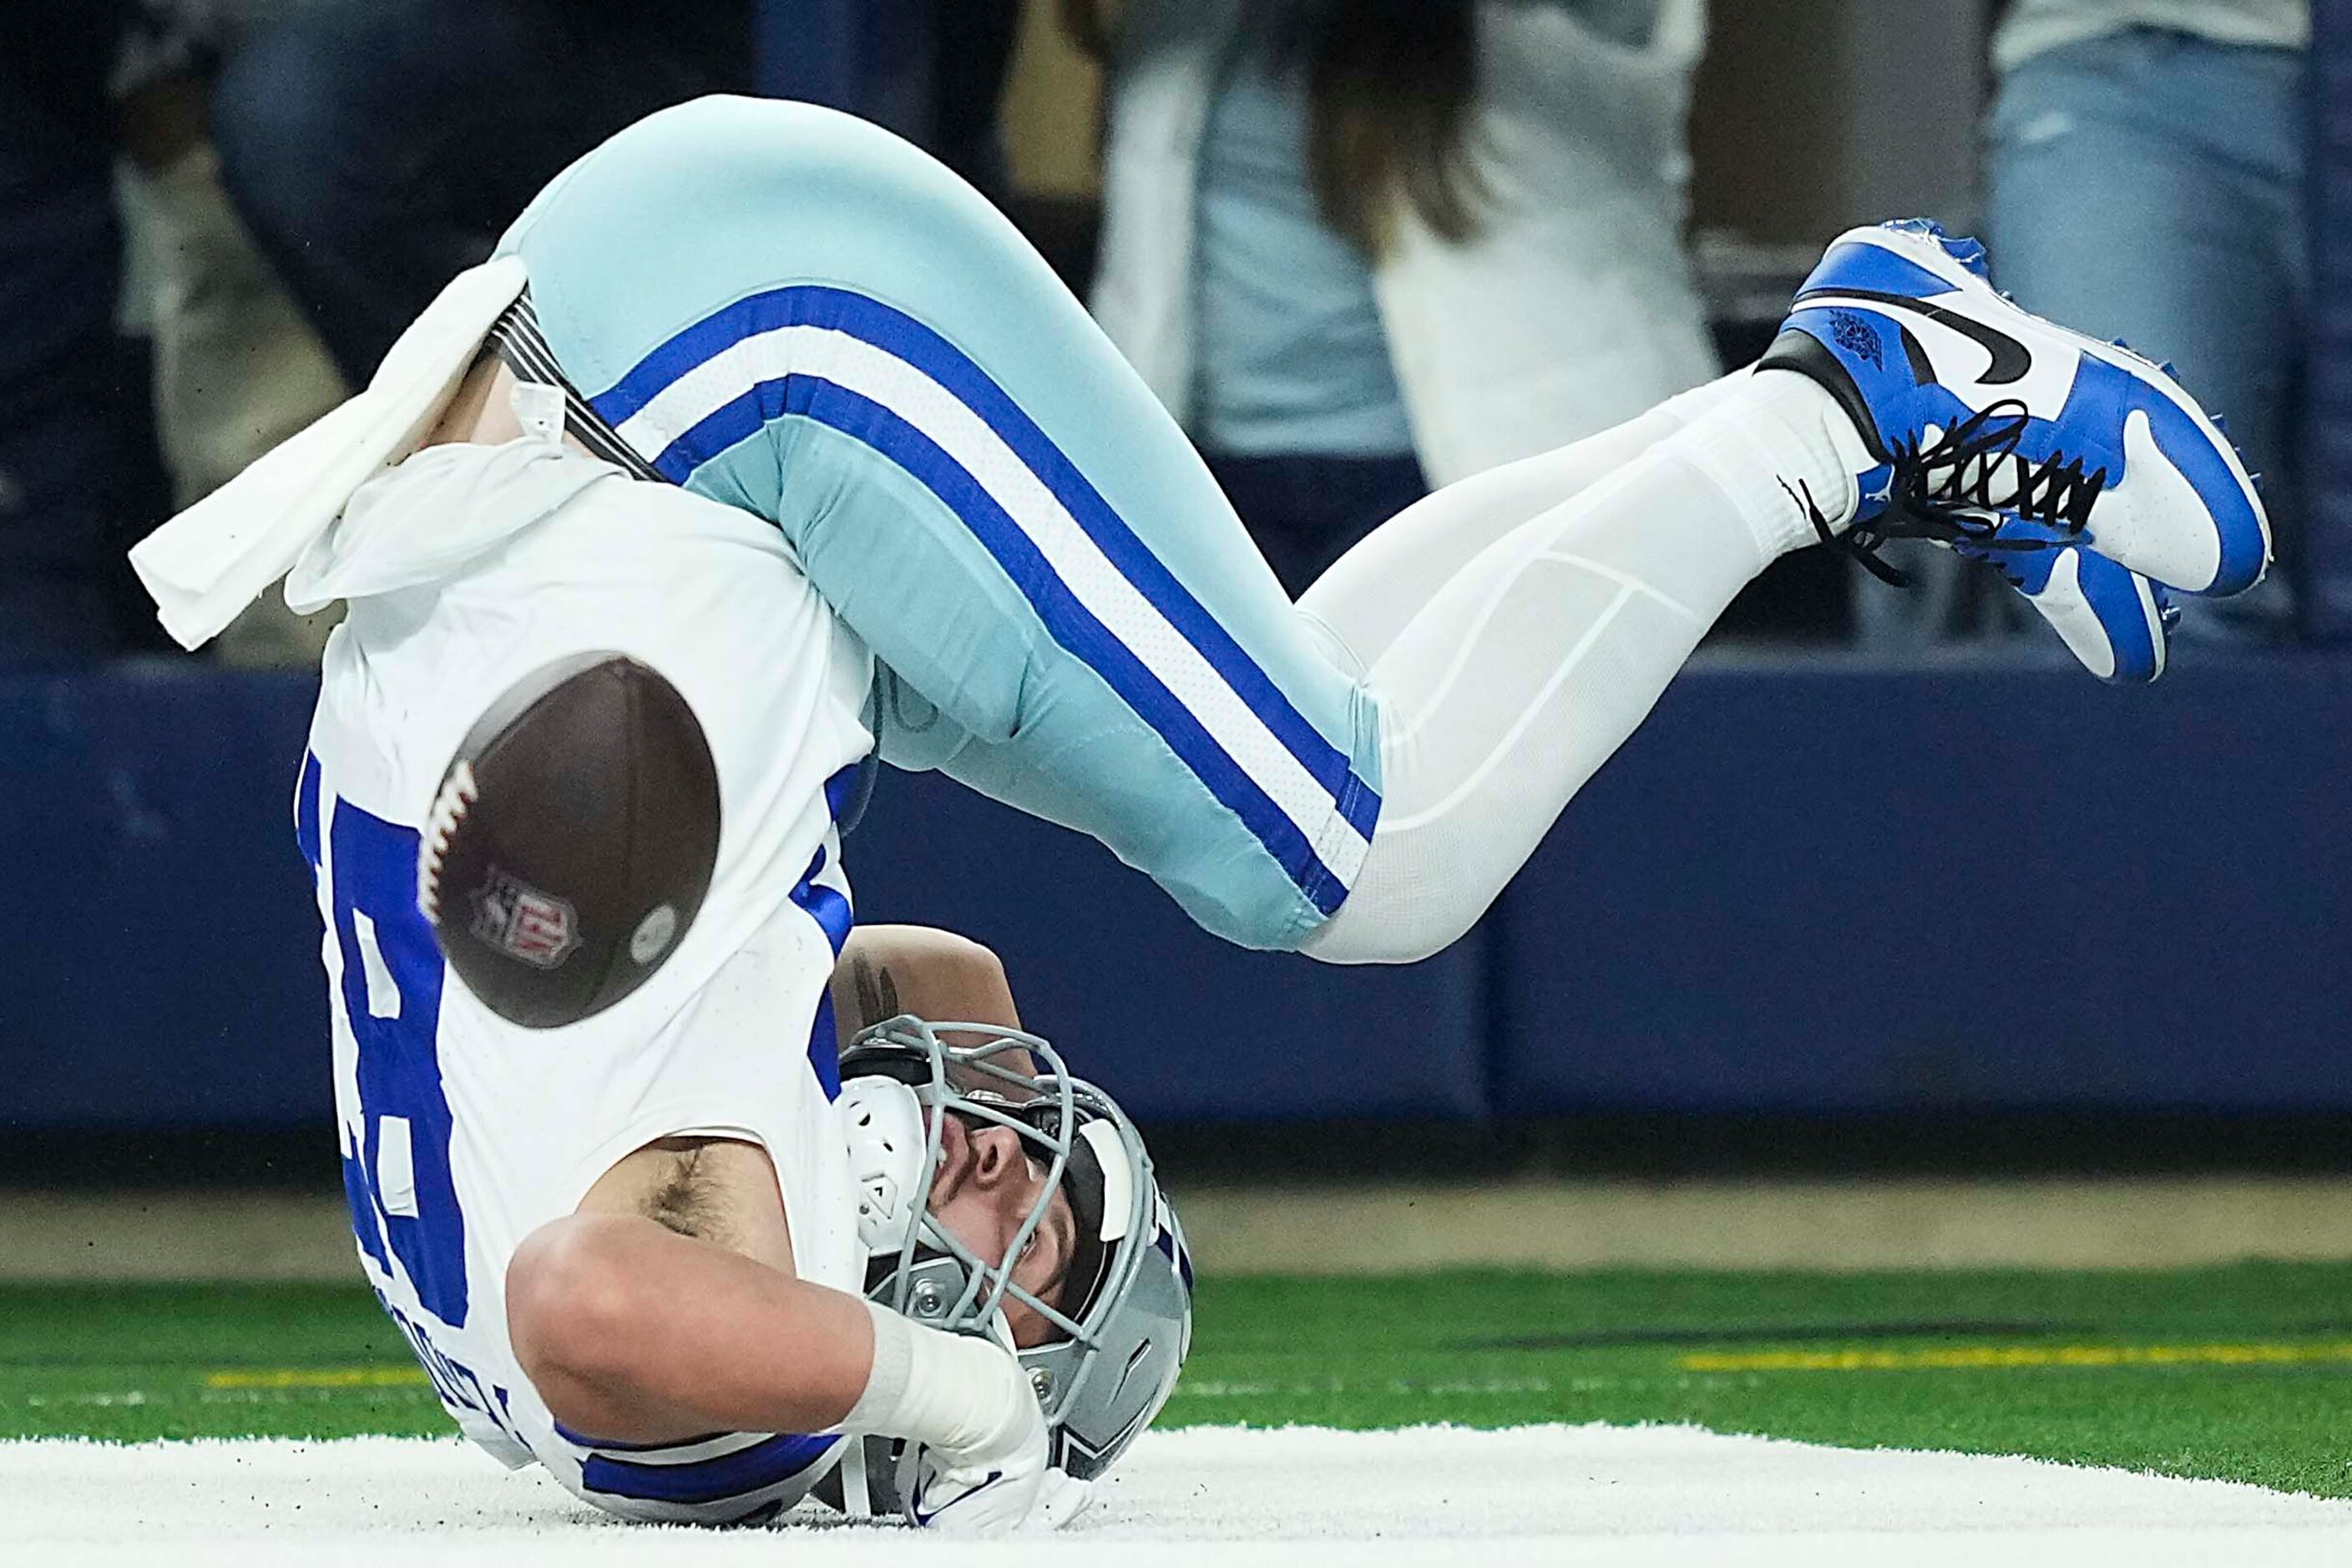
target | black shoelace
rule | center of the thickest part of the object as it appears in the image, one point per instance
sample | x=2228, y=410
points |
x=1946, y=492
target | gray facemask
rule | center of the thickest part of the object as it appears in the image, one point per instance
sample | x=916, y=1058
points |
x=1124, y=1320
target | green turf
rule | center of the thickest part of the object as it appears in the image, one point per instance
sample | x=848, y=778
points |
x=1488, y=1348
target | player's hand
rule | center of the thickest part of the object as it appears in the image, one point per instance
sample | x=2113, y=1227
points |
x=986, y=1491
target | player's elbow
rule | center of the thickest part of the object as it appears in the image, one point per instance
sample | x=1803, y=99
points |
x=981, y=970
x=573, y=1307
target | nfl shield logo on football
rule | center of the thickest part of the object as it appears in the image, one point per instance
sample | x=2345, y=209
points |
x=524, y=924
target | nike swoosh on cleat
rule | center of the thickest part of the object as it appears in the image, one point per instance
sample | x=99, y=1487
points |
x=2010, y=359
x=975, y=1489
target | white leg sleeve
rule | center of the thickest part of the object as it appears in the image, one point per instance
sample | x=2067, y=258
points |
x=1508, y=684
x=1369, y=593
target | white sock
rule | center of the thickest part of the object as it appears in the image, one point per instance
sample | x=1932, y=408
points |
x=1517, y=678
x=1787, y=440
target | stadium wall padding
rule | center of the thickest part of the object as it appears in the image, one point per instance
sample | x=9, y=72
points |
x=1808, y=884
x=159, y=945
x=1846, y=888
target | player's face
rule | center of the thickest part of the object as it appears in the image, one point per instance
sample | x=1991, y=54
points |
x=986, y=1186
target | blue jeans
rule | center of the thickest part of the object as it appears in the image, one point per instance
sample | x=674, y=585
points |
x=2147, y=185
x=62, y=455
x=377, y=148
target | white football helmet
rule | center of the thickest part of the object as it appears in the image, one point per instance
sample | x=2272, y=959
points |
x=1125, y=1315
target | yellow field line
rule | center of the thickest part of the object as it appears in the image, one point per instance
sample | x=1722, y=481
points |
x=319, y=1377
x=2003, y=1357
x=1953, y=1358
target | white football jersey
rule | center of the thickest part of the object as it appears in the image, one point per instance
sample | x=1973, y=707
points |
x=466, y=569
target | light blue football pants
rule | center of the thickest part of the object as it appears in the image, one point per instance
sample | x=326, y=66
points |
x=792, y=311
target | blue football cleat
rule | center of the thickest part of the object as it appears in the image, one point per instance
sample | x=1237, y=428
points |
x=1984, y=418
x=2116, y=621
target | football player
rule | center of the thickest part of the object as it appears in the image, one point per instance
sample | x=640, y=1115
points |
x=779, y=407
x=1029, y=1294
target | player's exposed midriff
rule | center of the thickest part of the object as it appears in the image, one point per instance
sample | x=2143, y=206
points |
x=482, y=409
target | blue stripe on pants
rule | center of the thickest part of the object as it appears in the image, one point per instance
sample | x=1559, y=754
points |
x=705, y=226
x=907, y=339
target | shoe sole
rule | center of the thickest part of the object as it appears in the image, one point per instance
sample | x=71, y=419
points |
x=2071, y=600
x=2140, y=669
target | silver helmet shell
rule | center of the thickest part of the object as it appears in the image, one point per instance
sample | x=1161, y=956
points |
x=1125, y=1323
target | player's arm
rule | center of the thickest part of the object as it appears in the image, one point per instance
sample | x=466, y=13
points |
x=935, y=975
x=636, y=1334
x=886, y=971
x=668, y=1306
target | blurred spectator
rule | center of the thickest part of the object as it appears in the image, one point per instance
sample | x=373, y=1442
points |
x=379, y=147
x=1361, y=247
x=138, y=312
x=235, y=366
x=931, y=70
x=64, y=451
x=2145, y=167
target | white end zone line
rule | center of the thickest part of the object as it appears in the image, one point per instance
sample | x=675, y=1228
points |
x=1200, y=1497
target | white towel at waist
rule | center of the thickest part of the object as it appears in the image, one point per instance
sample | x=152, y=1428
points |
x=436, y=513
x=206, y=565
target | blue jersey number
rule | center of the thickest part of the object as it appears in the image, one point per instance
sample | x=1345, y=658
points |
x=396, y=1159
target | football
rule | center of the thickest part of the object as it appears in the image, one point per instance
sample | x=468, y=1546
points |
x=572, y=840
